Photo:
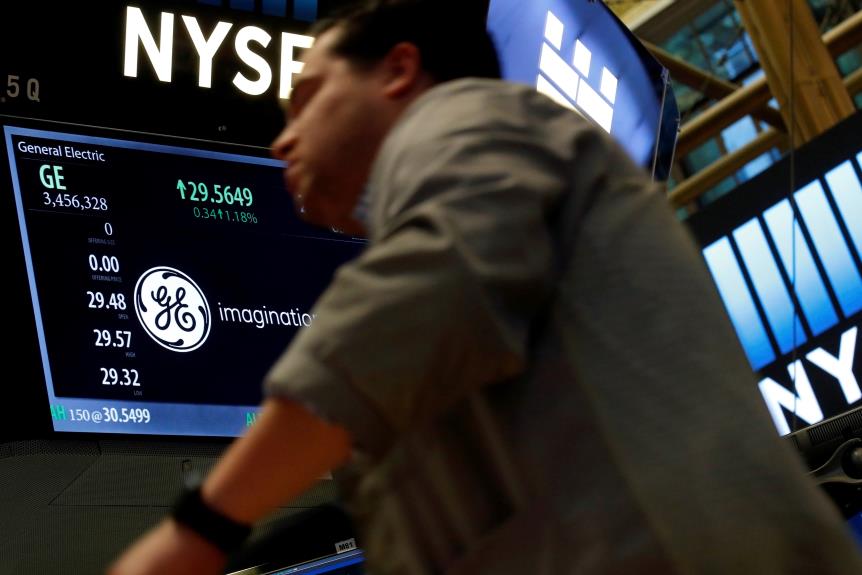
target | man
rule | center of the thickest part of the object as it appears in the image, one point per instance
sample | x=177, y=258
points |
x=528, y=369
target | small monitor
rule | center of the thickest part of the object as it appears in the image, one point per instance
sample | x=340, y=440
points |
x=154, y=267
x=348, y=563
x=312, y=541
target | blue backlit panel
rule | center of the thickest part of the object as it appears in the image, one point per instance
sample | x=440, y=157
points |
x=830, y=244
x=739, y=302
x=784, y=251
x=769, y=285
x=847, y=192
x=581, y=55
x=800, y=267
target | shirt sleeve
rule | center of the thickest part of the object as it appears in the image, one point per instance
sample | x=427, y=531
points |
x=442, y=300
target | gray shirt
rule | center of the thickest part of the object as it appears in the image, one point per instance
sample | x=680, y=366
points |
x=536, y=369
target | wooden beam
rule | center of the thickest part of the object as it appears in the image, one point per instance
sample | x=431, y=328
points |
x=799, y=68
x=712, y=86
x=854, y=82
x=693, y=187
x=844, y=36
x=714, y=119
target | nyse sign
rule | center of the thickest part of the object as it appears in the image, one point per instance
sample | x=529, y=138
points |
x=582, y=56
x=791, y=276
x=248, y=42
x=568, y=84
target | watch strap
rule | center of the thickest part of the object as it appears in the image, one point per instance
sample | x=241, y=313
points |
x=220, y=530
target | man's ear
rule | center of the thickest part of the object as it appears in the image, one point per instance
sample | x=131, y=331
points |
x=403, y=71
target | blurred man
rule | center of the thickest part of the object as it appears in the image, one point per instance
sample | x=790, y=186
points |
x=528, y=370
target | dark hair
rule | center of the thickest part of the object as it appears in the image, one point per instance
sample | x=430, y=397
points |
x=452, y=38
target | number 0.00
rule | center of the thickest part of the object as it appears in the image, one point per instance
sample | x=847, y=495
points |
x=104, y=264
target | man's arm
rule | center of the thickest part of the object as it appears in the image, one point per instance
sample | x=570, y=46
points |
x=286, y=451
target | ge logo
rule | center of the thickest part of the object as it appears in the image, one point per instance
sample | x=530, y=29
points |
x=172, y=309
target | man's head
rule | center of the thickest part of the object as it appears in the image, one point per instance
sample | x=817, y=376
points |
x=365, y=68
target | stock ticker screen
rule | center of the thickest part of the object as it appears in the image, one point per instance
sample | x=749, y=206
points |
x=165, y=276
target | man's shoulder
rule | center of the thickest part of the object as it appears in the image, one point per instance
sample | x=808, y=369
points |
x=473, y=102
x=472, y=112
x=460, y=132
x=487, y=115
x=467, y=88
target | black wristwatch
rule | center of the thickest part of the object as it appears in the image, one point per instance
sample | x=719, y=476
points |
x=220, y=530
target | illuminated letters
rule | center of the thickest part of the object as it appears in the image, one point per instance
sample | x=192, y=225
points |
x=160, y=53
x=803, y=402
x=49, y=180
x=567, y=83
x=289, y=66
x=206, y=48
x=841, y=368
x=243, y=37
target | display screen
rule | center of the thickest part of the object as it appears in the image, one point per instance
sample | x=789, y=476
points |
x=347, y=563
x=786, y=257
x=165, y=275
x=582, y=56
